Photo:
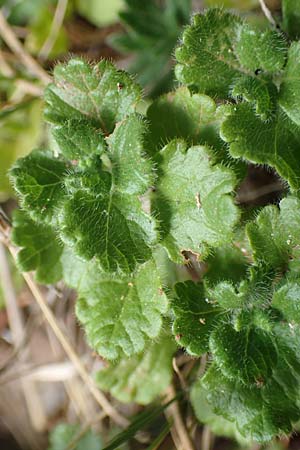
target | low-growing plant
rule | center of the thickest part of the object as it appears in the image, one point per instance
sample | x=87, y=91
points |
x=123, y=197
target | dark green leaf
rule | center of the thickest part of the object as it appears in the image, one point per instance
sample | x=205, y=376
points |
x=195, y=317
x=291, y=17
x=38, y=180
x=40, y=248
x=206, y=58
x=274, y=143
x=103, y=215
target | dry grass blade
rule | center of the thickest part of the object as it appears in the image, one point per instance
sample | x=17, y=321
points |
x=267, y=12
x=182, y=433
x=14, y=44
x=33, y=401
x=99, y=397
x=55, y=27
x=49, y=316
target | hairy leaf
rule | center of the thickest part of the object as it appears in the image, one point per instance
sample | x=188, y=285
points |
x=179, y=114
x=101, y=93
x=249, y=354
x=103, y=215
x=290, y=88
x=265, y=50
x=79, y=141
x=38, y=180
x=218, y=424
x=142, y=377
x=195, y=317
x=226, y=295
x=261, y=92
x=40, y=248
x=193, y=200
x=218, y=49
x=287, y=300
x=226, y=263
x=268, y=239
x=275, y=142
x=206, y=58
x=275, y=233
x=120, y=314
x=266, y=409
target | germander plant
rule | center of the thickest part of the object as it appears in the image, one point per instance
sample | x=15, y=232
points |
x=123, y=196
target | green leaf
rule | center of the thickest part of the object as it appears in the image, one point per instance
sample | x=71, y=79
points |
x=40, y=248
x=250, y=355
x=226, y=295
x=274, y=143
x=289, y=96
x=63, y=434
x=206, y=58
x=291, y=17
x=100, y=93
x=218, y=424
x=265, y=409
x=143, y=377
x=179, y=114
x=195, y=317
x=121, y=313
x=268, y=238
x=193, y=201
x=103, y=215
x=226, y=263
x=287, y=300
x=261, y=92
x=270, y=49
x=38, y=180
x=219, y=48
x=78, y=140
x=253, y=293
x=275, y=233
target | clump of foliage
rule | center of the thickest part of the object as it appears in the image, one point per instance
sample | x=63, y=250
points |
x=123, y=197
x=151, y=34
